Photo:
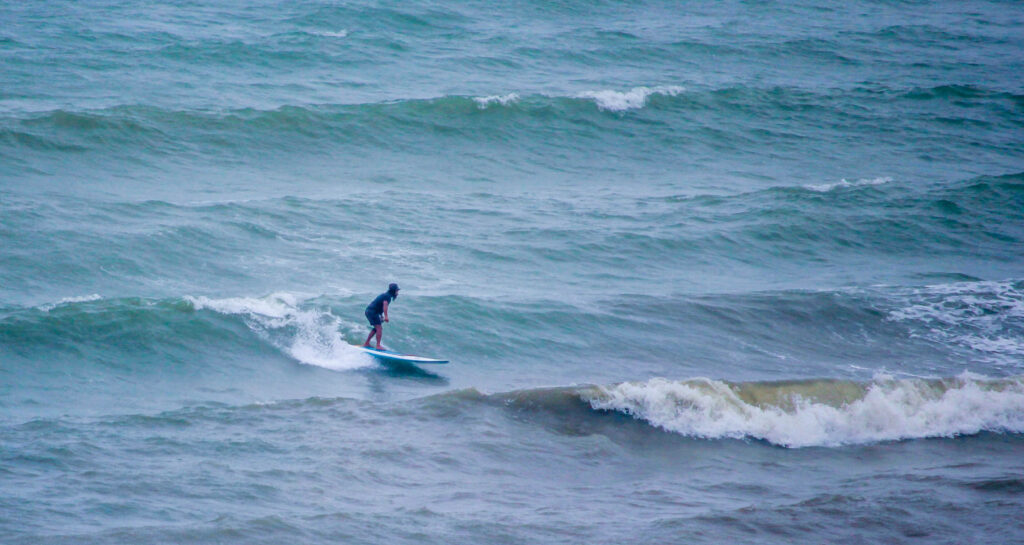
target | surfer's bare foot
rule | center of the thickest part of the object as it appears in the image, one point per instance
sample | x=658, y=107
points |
x=367, y=345
x=379, y=348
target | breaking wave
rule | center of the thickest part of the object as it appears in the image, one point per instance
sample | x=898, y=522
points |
x=822, y=412
x=310, y=335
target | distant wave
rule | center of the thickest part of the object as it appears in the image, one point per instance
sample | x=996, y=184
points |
x=960, y=92
x=503, y=100
x=607, y=99
x=162, y=130
x=343, y=33
x=845, y=183
x=985, y=214
x=67, y=300
x=982, y=215
x=635, y=98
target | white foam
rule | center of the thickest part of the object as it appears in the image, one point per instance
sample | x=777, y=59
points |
x=504, y=100
x=343, y=33
x=309, y=335
x=68, y=300
x=635, y=98
x=983, y=316
x=996, y=345
x=845, y=183
x=889, y=410
x=278, y=305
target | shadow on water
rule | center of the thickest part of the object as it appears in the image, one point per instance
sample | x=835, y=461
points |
x=408, y=371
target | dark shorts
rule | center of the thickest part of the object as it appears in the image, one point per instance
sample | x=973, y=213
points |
x=375, y=319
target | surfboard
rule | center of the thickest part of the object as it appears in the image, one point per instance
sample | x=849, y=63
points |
x=391, y=355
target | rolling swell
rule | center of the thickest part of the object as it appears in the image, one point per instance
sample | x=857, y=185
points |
x=810, y=235
x=379, y=124
x=962, y=217
x=124, y=334
x=680, y=114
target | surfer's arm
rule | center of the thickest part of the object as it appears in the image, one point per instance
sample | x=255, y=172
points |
x=385, y=311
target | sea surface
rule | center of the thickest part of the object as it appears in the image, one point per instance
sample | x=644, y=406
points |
x=706, y=272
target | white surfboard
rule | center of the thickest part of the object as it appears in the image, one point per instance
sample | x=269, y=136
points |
x=391, y=355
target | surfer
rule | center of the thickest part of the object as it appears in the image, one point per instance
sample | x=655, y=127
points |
x=377, y=309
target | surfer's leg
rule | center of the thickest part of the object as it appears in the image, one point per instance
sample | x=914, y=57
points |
x=379, y=332
x=374, y=328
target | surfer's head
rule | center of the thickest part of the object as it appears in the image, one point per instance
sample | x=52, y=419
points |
x=393, y=290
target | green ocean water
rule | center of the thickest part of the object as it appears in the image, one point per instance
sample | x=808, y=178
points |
x=741, y=271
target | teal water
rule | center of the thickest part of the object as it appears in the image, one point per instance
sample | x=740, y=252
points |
x=742, y=271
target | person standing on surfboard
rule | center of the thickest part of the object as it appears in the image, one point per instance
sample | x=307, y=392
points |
x=377, y=309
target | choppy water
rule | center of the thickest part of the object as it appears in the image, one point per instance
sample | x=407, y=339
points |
x=742, y=271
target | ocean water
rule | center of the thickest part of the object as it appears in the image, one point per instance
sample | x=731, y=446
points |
x=747, y=272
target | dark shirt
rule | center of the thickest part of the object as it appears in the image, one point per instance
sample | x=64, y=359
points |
x=377, y=306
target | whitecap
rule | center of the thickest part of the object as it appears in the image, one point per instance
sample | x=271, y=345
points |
x=635, y=98
x=69, y=300
x=846, y=183
x=343, y=33
x=503, y=100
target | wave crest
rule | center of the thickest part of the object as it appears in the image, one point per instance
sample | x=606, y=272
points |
x=503, y=100
x=844, y=183
x=309, y=335
x=635, y=98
